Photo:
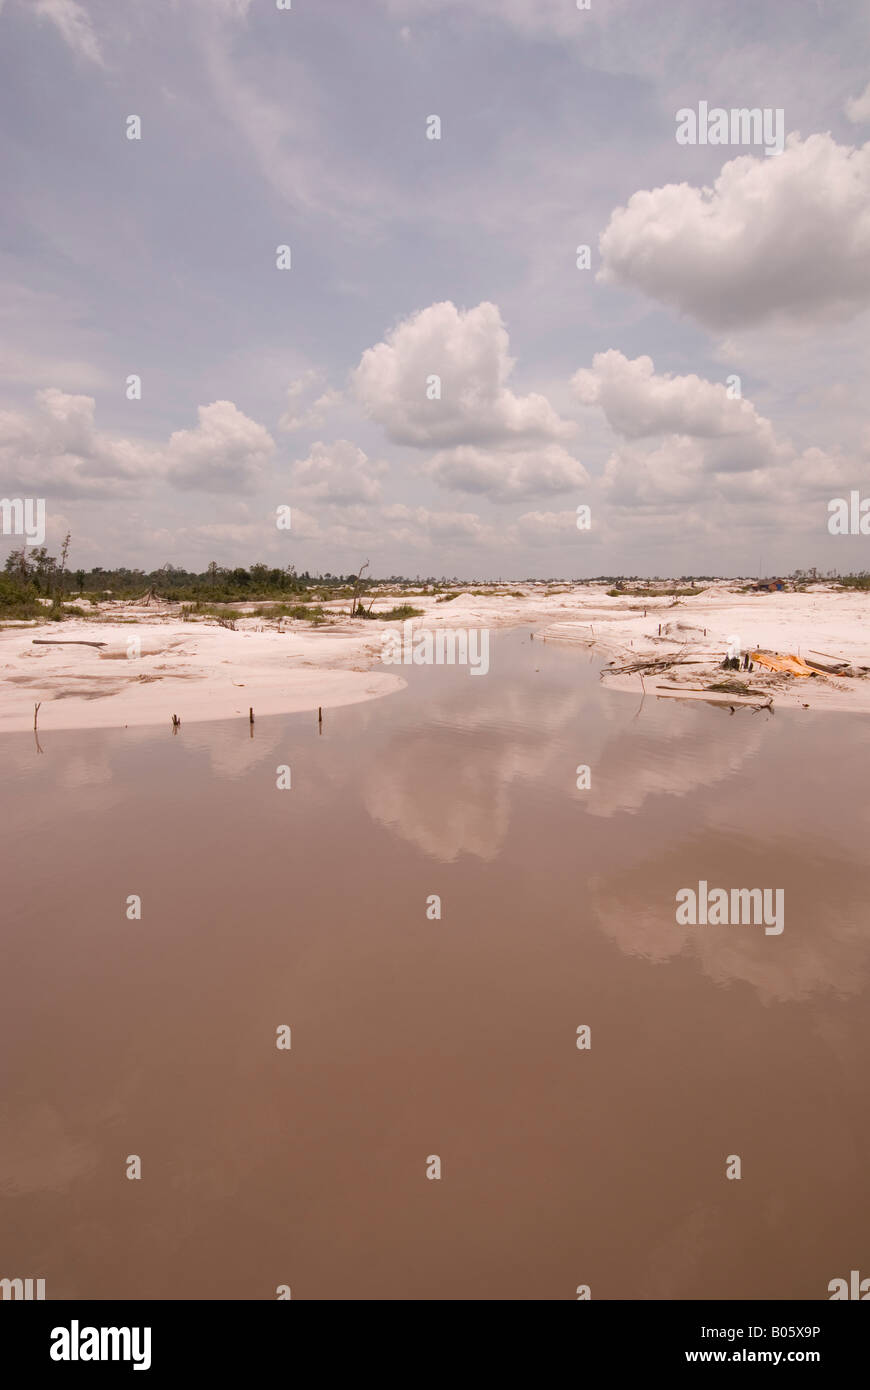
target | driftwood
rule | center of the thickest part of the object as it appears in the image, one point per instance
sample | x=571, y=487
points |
x=839, y=670
x=653, y=664
x=65, y=642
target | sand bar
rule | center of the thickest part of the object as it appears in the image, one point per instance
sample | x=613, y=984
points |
x=201, y=670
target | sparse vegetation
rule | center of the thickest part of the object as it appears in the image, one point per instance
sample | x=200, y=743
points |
x=404, y=610
x=210, y=610
x=303, y=612
x=662, y=591
x=30, y=573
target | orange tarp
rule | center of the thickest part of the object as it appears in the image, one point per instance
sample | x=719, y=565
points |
x=792, y=665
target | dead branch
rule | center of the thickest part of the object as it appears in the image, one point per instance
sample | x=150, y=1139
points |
x=64, y=642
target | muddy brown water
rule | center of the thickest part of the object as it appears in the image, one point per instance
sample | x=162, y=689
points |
x=413, y=1037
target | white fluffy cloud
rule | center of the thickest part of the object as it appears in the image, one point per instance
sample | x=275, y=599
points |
x=673, y=472
x=639, y=403
x=339, y=473
x=507, y=476
x=57, y=449
x=489, y=440
x=711, y=449
x=468, y=351
x=858, y=108
x=680, y=472
x=226, y=452
x=784, y=237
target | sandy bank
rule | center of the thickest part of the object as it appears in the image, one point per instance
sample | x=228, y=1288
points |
x=200, y=670
x=691, y=636
x=192, y=670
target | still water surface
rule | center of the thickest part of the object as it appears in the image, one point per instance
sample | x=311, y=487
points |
x=413, y=1037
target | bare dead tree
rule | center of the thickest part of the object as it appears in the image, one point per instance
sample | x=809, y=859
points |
x=356, y=587
x=64, y=551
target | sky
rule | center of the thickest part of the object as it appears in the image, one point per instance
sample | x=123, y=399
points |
x=431, y=375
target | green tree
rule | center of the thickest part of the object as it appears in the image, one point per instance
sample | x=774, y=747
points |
x=44, y=566
x=18, y=564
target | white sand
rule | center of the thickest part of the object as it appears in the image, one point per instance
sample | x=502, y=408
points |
x=821, y=625
x=199, y=670
x=194, y=670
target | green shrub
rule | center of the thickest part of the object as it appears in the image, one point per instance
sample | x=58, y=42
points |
x=304, y=612
x=19, y=600
x=405, y=610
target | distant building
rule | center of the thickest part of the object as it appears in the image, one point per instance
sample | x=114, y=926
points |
x=768, y=586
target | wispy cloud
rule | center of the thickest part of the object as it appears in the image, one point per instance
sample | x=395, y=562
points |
x=74, y=24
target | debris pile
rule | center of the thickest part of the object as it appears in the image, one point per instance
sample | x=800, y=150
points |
x=763, y=674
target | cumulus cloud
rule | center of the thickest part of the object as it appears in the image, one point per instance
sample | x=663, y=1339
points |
x=712, y=452
x=858, y=108
x=468, y=351
x=73, y=23
x=673, y=472
x=507, y=476
x=339, y=473
x=773, y=238
x=297, y=416
x=225, y=453
x=639, y=402
x=58, y=448
x=681, y=472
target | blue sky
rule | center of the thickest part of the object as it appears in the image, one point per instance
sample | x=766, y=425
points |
x=413, y=257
